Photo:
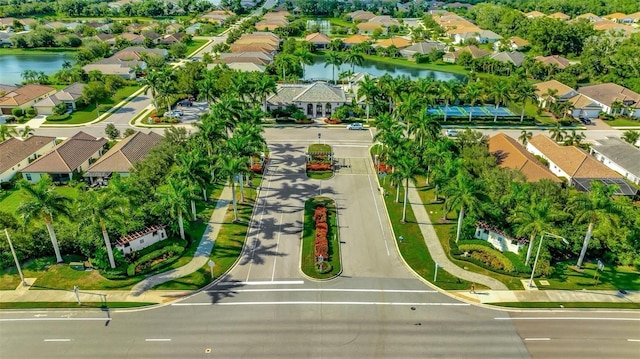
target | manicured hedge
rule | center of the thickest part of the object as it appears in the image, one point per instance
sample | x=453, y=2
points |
x=62, y=117
x=143, y=265
x=488, y=256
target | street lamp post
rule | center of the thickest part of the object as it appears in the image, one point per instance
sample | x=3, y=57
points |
x=15, y=258
x=535, y=262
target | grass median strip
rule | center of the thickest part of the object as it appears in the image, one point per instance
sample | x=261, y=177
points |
x=592, y=305
x=309, y=263
x=84, y=305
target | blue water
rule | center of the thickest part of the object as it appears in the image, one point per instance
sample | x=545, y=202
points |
x=11, y=66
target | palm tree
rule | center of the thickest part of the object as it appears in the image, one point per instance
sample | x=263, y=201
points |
x=6, y=132
x=96, y=208
x=525, y=136
x=557, y=133
x=334, y=59
x=207, y=86
x=153, y=81
x=336, y=45
x=466, y=193
x=408, y=167
x=574, y=139
x=367, y=89
x=26, y=132
x=408, y=106
x=424, y=128
x=230, y=168
x=629, y=136
x=448, y=93
x=500, y=93
x=596, y=207
x=534, y=218
x=45, y=203
x=550, y=97
x=191, y=168
x=354, y=59
x=473, y=92
x=175, y=200
x=305, y=57
x=264, y=87
x=29, y=76
x=523, y=91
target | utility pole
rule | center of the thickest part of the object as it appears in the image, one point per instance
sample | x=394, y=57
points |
x=15, y=258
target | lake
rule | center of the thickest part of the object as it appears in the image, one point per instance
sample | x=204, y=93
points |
x=11, y=66
x=318, y=71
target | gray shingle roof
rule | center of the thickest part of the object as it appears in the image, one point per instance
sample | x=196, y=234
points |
x=125, y=153
x=620, y=152
x=321, y=92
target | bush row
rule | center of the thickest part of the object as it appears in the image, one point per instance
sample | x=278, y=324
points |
x=145, y=264
x=321, y=244
x=318, y=167
x=62, y=117
x=488, y=256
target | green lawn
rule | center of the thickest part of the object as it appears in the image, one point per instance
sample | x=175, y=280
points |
x=318, y=147
x=37, y=51
x=308, y=260
x=193, y=45
x=320, y=175
x=84, y=305
x=438, y=66
x=227, y=248
x=89, y=113
x=11, y=199
x=623, y=122
x=567, y=277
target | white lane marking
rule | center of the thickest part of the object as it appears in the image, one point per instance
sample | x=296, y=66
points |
x=266, y=282
x=373, y=194
x=537, y=339
x=46, y=319
x=569, y=318
x=275, y=258
x=327, y=290
x=633, y=340
x=157, y=340
x=328, y=303
x=57, y=340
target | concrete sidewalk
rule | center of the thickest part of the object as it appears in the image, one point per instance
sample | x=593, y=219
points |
x=436, y=250
x=559, y=296
x=202, y=254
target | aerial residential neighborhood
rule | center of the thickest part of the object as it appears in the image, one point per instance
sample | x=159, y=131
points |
x=327, y=178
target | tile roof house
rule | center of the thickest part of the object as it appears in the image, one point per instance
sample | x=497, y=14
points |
x=16, y=153
x=607, y=95
x=589, y=16
x=361, y=15
x=559, y=16
x=172, y=38
x=369, y=27
x=619, y=17
x=316, y=99
x=70, y=95
x=584, y=107
x=24, y=97
x=318, y=39
x=558, y=61
x=514, y=43
x=574, y=164
x=562, y=91
x=534, y=14
x=384, y=20
x=256, y=57
x=72, y=156
x=134, y=39
x=515, y=58
x=482, y=36
x=122, y=156
x=511, y=154
x=257, y=47
x=607, y=25
x=620, y=156
x=475, y=52
x=398, y=42
x=421, y=48
x=136, y=53
x=244, y=67
x=111, y=66
x=355, y=39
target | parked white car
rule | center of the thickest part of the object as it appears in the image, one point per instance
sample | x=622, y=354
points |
x=452, y=133
x=355, y=126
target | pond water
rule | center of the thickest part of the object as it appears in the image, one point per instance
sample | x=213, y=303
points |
x=11, y=66
x=318, y=71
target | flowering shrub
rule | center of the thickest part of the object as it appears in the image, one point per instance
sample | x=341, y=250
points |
x=318, y=167
x=384, y=168
x=321, y=244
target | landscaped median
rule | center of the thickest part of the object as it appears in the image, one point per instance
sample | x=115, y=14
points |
x=320, y=240
x=319, y=161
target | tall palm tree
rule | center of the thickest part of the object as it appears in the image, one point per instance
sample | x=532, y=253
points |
x=230, y=168
x=153, y=83
x=367, y=89
x=97, y=208
x=175, y=200
x=354, y=59
x=334, y=59
x=596, y=208
x=207, y=86
x=45, y=203
x=466, y=193
x=408, y=167
x=448, y=93
x=408, y=106
x=557, y=133
x=264, y=87
x=534, y=218
x=336, y=45
x=425, y=127
x=574, y=139
x=191, y=168
x=6, y=132
x=550, y=97
x=473, y=92
x=525, y=136
x=523, y=91
x=305, y=57
x=500, y=93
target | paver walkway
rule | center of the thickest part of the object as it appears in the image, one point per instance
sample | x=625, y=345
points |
x=201, y=257
x=436, y=250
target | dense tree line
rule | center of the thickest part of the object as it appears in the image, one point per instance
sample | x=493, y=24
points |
x=571, y=7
